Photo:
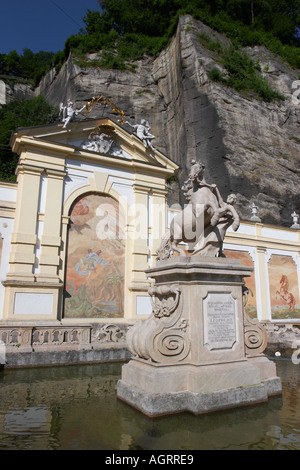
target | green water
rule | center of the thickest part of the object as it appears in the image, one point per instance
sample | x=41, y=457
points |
x=75, y=407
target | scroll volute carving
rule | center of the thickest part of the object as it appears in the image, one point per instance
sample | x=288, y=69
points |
x=255, y=337
x=163, y=337
x=255, y=334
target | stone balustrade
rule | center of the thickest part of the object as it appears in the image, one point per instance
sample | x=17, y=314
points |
x=58, y=337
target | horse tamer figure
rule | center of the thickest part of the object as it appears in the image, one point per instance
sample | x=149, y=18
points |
x=204, y=220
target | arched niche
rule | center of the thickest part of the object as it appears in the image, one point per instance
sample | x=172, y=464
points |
x=95, y=258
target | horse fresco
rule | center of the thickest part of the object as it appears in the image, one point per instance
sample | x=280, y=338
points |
x=283, y=287
x=287, y=296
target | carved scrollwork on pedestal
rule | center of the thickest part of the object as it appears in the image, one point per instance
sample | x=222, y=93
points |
x=162, y=338
x=255, y=334
x=255, y=337
x=172, y=343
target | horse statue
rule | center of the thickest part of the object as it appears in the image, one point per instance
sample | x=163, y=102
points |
x=204, y=220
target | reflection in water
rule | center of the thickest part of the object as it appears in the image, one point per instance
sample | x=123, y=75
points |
x=75, y=407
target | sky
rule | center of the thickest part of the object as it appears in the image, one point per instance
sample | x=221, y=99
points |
x=40, y=25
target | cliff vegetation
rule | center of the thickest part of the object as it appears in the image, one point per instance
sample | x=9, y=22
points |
x=125, y=30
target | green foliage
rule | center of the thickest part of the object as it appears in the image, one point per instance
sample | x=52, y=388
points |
x=29, y=65
x=117, y=52
x=96, y=23
x=208, y=43
x=246, y=22
x=251, y=35
x=216, y=75
x=20, y=113
x=280, y=18
x=11, y=81
x=125, y=30
x=149, y=17
x=243, y=74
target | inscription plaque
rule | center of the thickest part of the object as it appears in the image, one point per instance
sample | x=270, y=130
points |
x=219, y=321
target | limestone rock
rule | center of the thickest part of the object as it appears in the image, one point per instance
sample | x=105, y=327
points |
x=249, y=147
x=16, y=91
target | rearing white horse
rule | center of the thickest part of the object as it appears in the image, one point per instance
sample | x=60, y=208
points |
x=203, y=222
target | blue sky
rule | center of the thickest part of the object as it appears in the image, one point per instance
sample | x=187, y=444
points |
x=40, y=25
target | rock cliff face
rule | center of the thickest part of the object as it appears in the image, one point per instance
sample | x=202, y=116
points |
x=249, y=147
x=16, y=91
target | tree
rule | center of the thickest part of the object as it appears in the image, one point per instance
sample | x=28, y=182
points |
x=154, y=17
x=279, y=17
x=285, y=20
x=20, y=113
x=125, y=30
x=29, y=65
x=149, y=17
x=12, y=64
x=33, y=65
x=97, y=23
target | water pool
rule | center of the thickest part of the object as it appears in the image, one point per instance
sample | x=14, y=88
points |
x=75, y=407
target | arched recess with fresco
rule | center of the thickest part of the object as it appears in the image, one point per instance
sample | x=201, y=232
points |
x=95, y=259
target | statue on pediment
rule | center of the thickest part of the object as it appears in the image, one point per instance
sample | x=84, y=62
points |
x=142, y=131
x=68, y=113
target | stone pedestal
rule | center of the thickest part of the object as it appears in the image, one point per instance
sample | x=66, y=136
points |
x=197, y=351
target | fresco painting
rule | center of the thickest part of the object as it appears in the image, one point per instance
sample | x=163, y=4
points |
x=284, y=288
x=246, y=260
x=94, y=284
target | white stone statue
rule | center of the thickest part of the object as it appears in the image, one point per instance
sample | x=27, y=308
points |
x=67, y=113
x=204, y=220
x=142, y=131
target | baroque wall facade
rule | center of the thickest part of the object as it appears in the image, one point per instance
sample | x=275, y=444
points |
x=78, y=229
x=83, y=223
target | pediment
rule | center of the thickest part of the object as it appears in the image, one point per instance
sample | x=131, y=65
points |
x=89, y=139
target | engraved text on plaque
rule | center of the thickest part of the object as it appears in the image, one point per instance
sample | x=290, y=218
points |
x=219, y=321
